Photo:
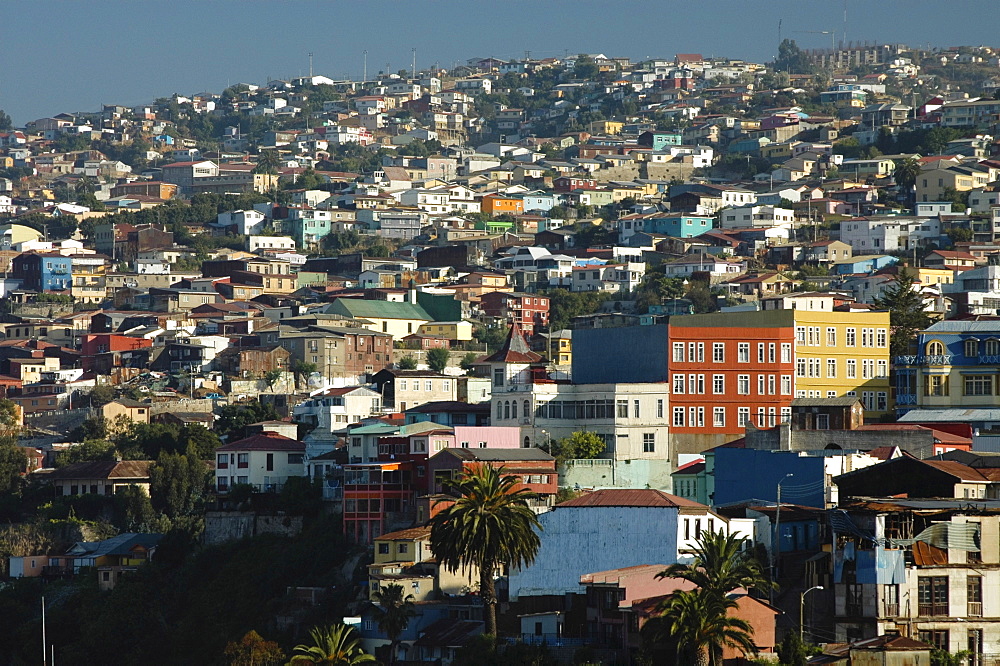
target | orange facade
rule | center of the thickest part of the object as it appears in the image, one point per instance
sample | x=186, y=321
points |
x=721, y=378
x=495, y=205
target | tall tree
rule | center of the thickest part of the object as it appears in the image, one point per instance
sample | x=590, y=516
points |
x=177, y=483
x=393, y=610
x=335, y=645
x=699, y=624
x=488, y=526
x=437, y=359
x=907, y=316
x=720, y=565
x=5, y=122
x=253, y=650
x=907, y=170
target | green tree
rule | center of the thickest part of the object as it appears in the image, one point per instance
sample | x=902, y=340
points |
x=437, y=359
x=907, y=316
x=13, y=463
x=407, y=362
x=335, y=645
x=493, y=337
x=6, y=123
x=393, y=611
x=302, y=370
x=468, y=360
x=90, y=450
x=135, y=510
x=488, y=527
x=253, y=650
x=234, y=419
x=101, y=395
x=581, y=444
x=698, y=623
x=177, y=483
x=272, y=377
x=792, y=59
x=720, y=565
x=792, y=651
x=267, y=162
x=906, y=173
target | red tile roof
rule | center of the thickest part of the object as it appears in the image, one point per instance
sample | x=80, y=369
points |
x=629, y=497
x=265, y=441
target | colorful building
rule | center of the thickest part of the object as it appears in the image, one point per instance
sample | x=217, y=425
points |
x=495, y=204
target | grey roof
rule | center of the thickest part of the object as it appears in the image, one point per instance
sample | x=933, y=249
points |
x=954, y=326
x=949, y=415
x=499, y=455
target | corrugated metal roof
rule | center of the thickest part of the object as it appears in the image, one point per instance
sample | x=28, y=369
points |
x=629, y=497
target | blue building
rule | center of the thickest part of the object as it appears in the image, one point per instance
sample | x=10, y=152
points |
x=741, y=475
x=660, y=140
x=543, y=201
x=43, y=272
x=678, y=226
x=868, y=263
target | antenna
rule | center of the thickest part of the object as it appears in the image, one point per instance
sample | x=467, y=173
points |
x=364, y=76
x=310, y=66
x=414, y=74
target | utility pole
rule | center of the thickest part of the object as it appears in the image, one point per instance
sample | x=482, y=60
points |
x=44, y=642
x=414, y=66
x=364, y=76
x=310, y=67
x=776, y=542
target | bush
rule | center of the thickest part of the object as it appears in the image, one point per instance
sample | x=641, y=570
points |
x=408, y=362
x=437, y=359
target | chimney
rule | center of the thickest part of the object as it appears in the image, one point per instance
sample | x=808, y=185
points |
x=411, y=294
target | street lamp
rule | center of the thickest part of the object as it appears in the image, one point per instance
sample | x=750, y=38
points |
x=776, y=545
x=802, y=606
x=548, y=441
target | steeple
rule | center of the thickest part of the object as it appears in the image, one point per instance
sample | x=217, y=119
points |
x=514, y=350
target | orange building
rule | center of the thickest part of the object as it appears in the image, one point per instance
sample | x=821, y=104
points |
x=724, y=376
x=495, y=205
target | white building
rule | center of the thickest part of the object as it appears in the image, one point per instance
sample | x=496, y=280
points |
x=622, y=278
x=247, y=221
x=255, y=243
x=889, y=233
x=747, y=217
x=265, y=461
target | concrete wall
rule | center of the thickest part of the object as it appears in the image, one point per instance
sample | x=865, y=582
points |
x=183, y=405
x=222, y=526
x=603, y=473
x=579, y=540
x=286, y=384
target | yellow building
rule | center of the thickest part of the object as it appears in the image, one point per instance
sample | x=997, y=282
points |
x=929, y=276
x=404, y=558
x=841, y=354
x=776, y=151
x=560, y=347
x=606, y=127
x=452, y=330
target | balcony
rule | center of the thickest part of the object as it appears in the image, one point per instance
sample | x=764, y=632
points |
x=975, y=609
x=944, y=359
x=891, y=610
x=906, y=399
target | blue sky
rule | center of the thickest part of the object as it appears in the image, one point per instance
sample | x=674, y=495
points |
x=67, y=56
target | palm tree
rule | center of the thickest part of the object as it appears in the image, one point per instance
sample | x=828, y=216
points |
x=699, y=624
x=487, y=527
x=393, y=611
x=720, y=565
x=334, y=645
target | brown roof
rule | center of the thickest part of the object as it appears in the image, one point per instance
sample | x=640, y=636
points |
x=514, y=350
x=104, y=469
x=411, y=533
x=956, y=469
x=265, y=441
x=630, y=497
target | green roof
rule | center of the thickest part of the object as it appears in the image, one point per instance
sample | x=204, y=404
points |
x=363, y=309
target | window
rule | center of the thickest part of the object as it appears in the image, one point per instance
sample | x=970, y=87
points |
x=760, y=352
x=743, y=385
x=701, y=384
x=678, y=352
x=622, y=408
x=800, y=367
x=881, y=337
x=678, y=420
x=742, y=416
x=692, y=384
x=786, y=384
x=851, y=337
x=403, y=548
x=979, y=385
x=761, y=387
x=852, y=368
x=701, y=352
x=822, y=422
x=831, y=337
x=770, y=352
x=649, y=442
x=992, y=347
x=428, y=385
x=692, y=416
x=814, y=339
x=718, y=352
x=243, y=460
x=831, y=368
x=743, y=352
x=718, y=384
x=692, y=352
x=770, y=384
x=383, y=549
x=635, y=409
x=932, y=595
x=678, y=384
x=222, y=461
x=498, y=377
x=867, y=368
x=974, y=595
x=800, y=335
x=719, y=417
x=786, y=352
x=659, y=408
x=701, y=417
x=972, y=347
x=867, y=337
x=936, y=385
x=270, y=462
x=939, y=638
x=935, y=348
x=761, y=417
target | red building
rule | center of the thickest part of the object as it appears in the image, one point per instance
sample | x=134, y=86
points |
x=724, y=376
x=570, y=183
x=102, y=344
x=528, y=311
